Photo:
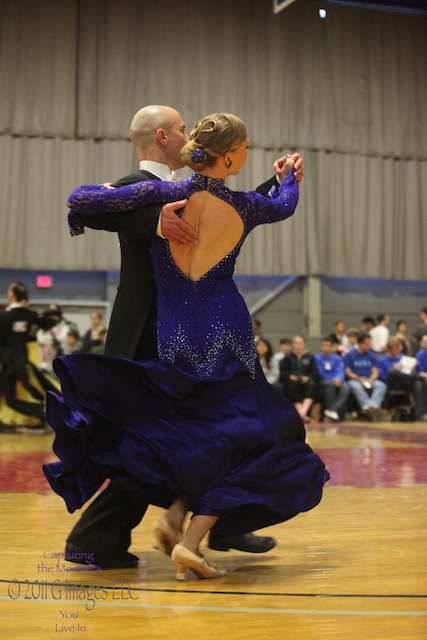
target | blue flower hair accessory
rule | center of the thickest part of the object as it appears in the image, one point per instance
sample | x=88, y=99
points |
x=199, y=156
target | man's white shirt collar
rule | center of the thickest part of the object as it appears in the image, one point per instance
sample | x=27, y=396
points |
x=15, y=305
x=158, y=169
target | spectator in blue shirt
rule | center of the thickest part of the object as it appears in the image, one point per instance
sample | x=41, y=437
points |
x=421, y=356
x=332, y=380
x=361, y=368
x=420, y=388
x=391, y=369
x=398, y=371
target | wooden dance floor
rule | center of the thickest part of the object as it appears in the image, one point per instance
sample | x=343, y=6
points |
x=353, y=568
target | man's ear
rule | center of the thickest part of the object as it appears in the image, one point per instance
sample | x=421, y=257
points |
x=161, y=137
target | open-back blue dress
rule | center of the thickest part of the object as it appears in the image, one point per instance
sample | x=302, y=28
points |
x=202, y=421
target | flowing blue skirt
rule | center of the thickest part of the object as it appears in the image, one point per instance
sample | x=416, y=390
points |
x=233, y=445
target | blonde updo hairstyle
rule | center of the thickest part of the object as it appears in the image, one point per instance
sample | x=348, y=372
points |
x=213, y=137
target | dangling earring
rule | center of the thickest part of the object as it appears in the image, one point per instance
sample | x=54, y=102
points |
x=229, y=164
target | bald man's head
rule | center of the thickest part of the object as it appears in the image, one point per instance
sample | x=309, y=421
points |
x=158, y=134
x=146, y=122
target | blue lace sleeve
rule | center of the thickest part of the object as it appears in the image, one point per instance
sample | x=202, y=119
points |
x=279, y=204
x=96, y=198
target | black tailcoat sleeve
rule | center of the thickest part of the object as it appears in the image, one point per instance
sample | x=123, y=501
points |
x=265, y=187
x=132, y=330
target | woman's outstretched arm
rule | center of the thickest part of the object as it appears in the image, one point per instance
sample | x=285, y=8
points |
x=280, y=203
x=97, y=198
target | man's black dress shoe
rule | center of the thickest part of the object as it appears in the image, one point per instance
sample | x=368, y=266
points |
x=126, y=560
x=248, y=542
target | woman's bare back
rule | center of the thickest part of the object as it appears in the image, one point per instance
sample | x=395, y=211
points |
x=219, y=229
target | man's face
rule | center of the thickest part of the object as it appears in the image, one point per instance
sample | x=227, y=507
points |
x=298, y=344
x=326, y=348
x=286, y=347
x=176, y=138
x=395, y=350
x=365, y=345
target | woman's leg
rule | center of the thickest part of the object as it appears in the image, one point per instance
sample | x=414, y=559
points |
x=176, y=513
x=198, y=528
x=186, y=555
x=168, y=527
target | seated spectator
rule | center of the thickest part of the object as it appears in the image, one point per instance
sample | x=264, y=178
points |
x=58, y=341
x=339, y=338
x=361, y=369
x=99, y=348
x=396, y=370
x=421, y=354
x=285, y=348
x=49, y=349
x=401, y=329
x=269, y=365
x=420, y=387
x=73, y=343
x=380, y=334
x=420, y=331
x=62, y=326
x=299, y=377
x=352, y=334
x=92, y=338
x=330, y=367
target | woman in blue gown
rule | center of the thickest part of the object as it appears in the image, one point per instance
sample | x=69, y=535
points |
x=201, y=429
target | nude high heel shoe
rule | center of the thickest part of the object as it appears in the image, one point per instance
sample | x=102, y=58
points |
x=184, y=559
x=166, y=537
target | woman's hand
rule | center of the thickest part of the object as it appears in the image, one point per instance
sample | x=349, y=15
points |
x=283, y=166
x=109, y=185
x=174, y=228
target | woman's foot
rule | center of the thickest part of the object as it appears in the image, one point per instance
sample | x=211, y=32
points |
x=166, y=536
x=184, y=559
